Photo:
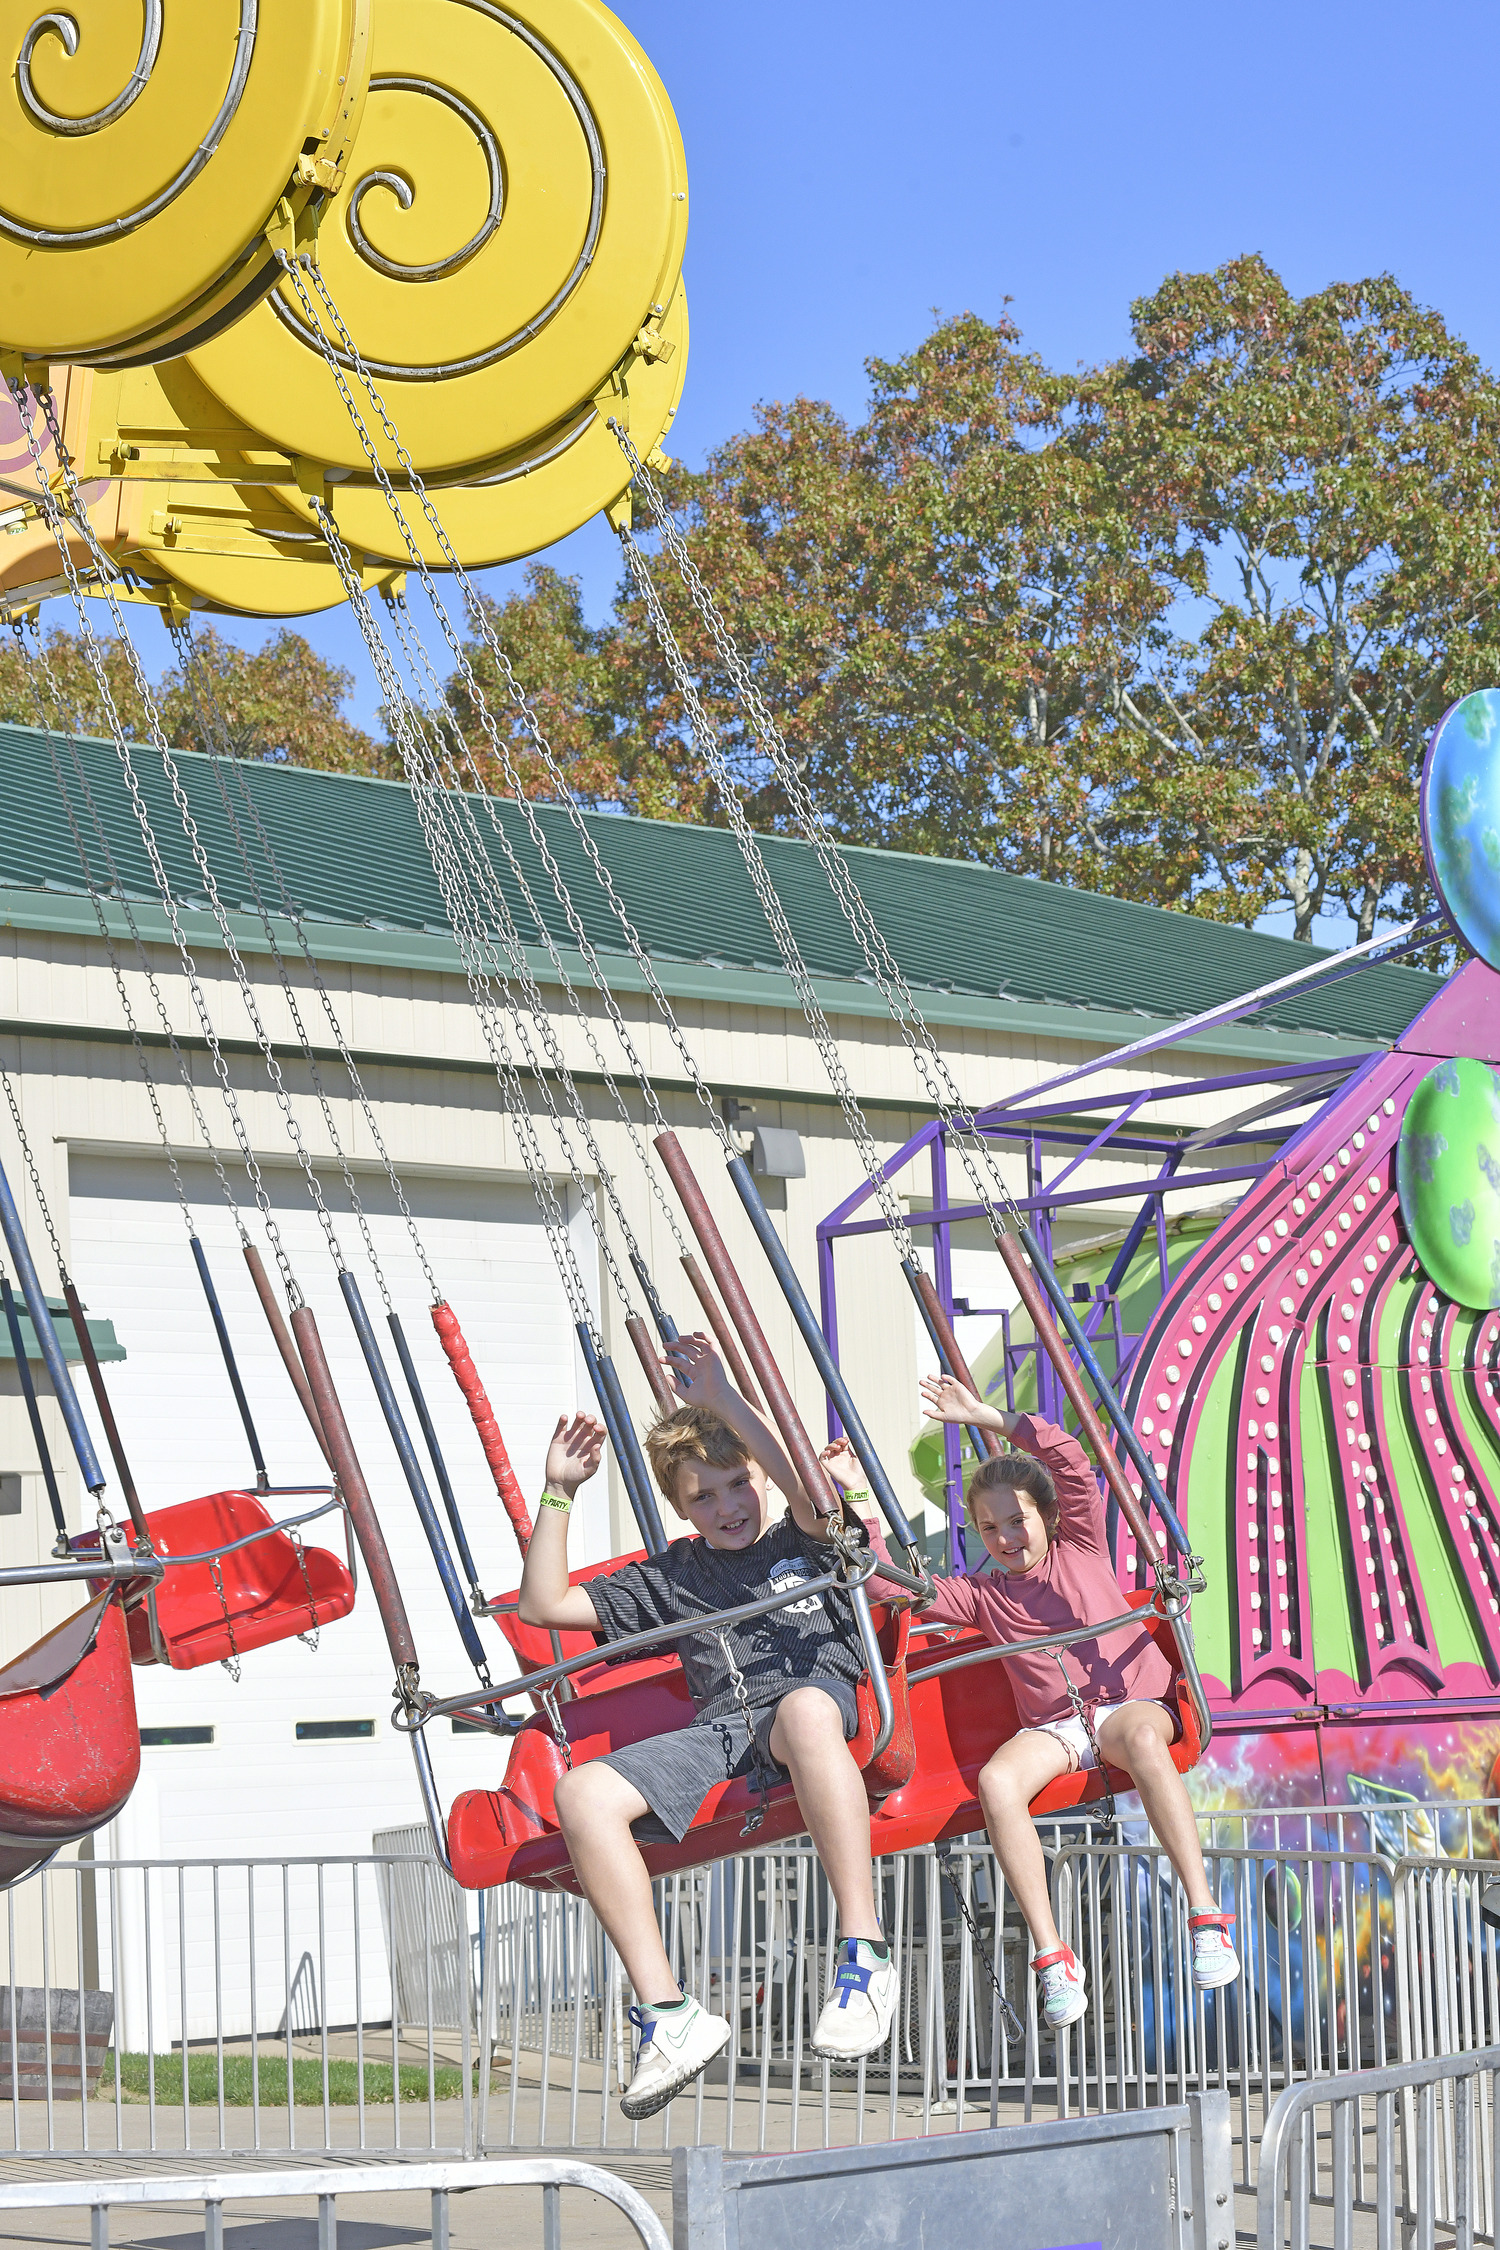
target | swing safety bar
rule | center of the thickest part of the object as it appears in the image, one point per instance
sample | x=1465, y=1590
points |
x=288, y=1523
x=1159, y=1610
x=656, y=1636
x=144, y=1569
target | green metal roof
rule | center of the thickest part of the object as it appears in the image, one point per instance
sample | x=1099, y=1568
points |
x=966, y=935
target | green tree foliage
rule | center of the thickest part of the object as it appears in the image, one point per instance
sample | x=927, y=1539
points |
x=1176, y=627
x=281, y=697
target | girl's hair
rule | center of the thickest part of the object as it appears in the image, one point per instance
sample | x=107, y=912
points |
x=690, y=1434
x=1023, y=1474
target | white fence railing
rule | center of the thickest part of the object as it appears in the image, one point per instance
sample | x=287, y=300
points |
x=339, y=2005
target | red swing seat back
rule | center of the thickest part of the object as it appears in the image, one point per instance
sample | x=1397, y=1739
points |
x=265, y=1593
x=533, y=1643
x=70, y=1747
x=511, y=1834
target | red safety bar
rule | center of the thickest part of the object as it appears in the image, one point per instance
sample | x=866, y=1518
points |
x=466, y=1375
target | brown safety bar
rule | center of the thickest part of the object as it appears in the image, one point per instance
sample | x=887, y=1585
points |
x=356, y=1493
x=958, y=1365
x=1050, y=1341
x=804, y=1458
x=74, y=1304
x=656, y=1375
x=276, y=1319
x=734, y=1357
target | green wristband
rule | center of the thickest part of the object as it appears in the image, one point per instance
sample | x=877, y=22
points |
x=555, y=1500
x=857, y=1492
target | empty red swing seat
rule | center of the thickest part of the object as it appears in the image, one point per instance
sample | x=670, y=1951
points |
x=268, y=1591
x=70, y=1747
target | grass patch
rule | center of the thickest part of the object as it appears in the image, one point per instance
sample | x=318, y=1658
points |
x=243, y=2075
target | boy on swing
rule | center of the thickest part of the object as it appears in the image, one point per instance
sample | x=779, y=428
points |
x=775, y=1698
x=1038, y=1512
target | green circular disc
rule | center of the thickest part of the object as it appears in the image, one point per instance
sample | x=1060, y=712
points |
x=1448, y=1179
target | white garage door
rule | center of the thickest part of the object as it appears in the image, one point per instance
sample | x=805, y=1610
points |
x=257, y=1788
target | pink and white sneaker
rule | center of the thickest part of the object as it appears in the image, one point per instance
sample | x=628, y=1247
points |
x=1215, y=1962
x=1064, y=1993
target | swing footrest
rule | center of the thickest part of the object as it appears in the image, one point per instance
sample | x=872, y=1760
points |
x=206, y=1612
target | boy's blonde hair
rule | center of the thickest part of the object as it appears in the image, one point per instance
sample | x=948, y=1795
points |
x=1023, y=1473
x=691, y=1433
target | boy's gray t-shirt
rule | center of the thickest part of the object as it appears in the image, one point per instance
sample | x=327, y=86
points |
x=810, y=1639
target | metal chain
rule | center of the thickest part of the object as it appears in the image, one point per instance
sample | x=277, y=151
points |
x=199, y=678
x=40, y=661
x=311, y=1638
x=755, y=1817
x=491, y=1024
x=469, y=866
x=484, y=626
x=1085, y=1716
x=460, y=811
x=755, y=863
x=58, y=521
x=547, y=1697
x=32, y=1172
x=284, y=973
x=974, y=1153
x=1013, y=2024
x=231, y=1662
x=416, y=654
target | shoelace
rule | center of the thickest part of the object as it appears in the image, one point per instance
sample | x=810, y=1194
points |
x=646, y=2025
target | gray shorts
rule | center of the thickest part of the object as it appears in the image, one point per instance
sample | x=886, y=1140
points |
x=674, y=1772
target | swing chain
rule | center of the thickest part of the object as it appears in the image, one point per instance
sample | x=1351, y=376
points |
x=755, y=1817
x=1014, y=2027
x=309, y=1639
x=547, y=1697
x=231, y=1662
x=1084, y=1715
x=33, y=1174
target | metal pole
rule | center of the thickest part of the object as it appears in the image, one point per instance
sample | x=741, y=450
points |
x=817, y=1343
x=411, y=1469
x=106, y=1411
x=627, y=1450
x=46, y=1336
x=221, y=1330
x=440, y=1466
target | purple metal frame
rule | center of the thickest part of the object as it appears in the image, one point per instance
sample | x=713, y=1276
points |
x=1040, y=1127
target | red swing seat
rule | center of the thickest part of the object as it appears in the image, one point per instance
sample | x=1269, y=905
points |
x=265, y=1598
x=511, y=1834
x=925, y=1788
x=70, y=1747
x=961, y=1718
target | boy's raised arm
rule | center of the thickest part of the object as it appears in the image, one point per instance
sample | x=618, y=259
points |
x=546, y=1597
x=701, y=1379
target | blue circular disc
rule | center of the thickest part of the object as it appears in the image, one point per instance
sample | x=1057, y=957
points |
x=1460, y=808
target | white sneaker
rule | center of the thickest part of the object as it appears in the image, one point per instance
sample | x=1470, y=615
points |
x=1215, y=1962
x=861, y=2001
x=1064, y=1994
x=673, y=2048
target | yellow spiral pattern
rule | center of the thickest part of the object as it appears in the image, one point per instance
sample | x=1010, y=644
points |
x=147, y=147
x=515, y=219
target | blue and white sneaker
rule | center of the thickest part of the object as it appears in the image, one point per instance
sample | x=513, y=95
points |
x=861, y=2001
x=675, y=2044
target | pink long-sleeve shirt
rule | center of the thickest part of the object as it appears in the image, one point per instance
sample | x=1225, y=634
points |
x=1073, y=1582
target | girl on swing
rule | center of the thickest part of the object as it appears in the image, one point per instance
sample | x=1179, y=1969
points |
x=1038, y=1512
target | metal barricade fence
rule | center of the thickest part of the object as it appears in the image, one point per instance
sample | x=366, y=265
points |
x=1414, y=2144
x=317, y=1998
x=439, y=2181
x=235, y=2005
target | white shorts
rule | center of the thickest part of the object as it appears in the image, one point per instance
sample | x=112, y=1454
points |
x=1073, y=1735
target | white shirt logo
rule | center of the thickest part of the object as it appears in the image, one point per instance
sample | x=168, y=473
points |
x=784, y=1575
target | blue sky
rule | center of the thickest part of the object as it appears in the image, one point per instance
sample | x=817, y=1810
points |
x=857, y=165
